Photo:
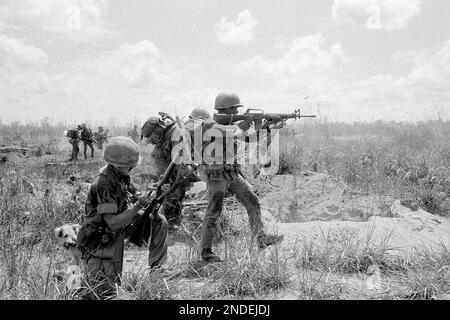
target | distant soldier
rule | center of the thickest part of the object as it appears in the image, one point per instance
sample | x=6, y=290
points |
x=112, y=206
x=134, y=134
x=106, y=136
x=100, y=137
x=74, y=139
x=88, y=139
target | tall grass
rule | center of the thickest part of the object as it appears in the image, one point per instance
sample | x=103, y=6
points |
x=409, y=161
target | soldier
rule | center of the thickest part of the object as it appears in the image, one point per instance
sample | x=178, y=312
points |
x=74, y=139
x=223, y=177
x=100, y=137
x=87, y=138
x=110, y=213
x=199, y=113
x=159, y=132
x=134, y=134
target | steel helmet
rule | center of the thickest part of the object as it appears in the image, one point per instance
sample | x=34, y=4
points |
x=122, y=152
x=81, y=126
x=159, y=123
x=226, y=100
x=100, y=128
x=200, y=113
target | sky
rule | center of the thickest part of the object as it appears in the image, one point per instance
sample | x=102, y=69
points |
x=116, y=61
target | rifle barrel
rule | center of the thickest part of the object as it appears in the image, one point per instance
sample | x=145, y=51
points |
x=282, y=115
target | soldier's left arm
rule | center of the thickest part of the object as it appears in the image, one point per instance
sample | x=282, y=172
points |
x=117, y=221
x=108, y=206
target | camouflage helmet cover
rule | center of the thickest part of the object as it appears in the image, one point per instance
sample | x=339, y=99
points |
x=122, y=152
x=227, y=100
x=200, y=113
x=157, y=123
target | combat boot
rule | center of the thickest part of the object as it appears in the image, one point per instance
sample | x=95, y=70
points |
x=268, y=240
x=209, y=256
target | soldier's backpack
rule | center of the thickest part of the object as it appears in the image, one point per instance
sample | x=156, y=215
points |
x=73, y=134
x=87, y=135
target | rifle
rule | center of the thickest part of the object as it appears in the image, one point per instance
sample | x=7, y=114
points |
x=256, y=116
x=141, y=230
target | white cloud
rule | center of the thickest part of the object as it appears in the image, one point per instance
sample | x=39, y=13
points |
x=430, y=75
x=139, y=63
x=349, y=97
x=142, y=64
x=239, y=32
x=134, y=69
x=302, y=56
x=79, y=20
x=17, y=52
x=377, y=14
x=23, y=82
x=428, y=80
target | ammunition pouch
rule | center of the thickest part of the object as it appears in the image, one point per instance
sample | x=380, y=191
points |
x=91, y=237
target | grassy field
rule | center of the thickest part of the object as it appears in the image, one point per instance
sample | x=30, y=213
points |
x=410, y=162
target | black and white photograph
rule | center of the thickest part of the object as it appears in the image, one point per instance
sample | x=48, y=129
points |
x=225, y=156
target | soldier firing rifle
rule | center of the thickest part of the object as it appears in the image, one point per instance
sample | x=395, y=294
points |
x=257, y=116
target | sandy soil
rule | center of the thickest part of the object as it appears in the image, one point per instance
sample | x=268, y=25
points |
x=313, y=206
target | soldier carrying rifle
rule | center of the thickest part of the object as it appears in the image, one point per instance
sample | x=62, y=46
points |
x=159, y=131
x=227, y=177
x=74, y=140
x=88, y=139
x=101, y=137
x=112, y=209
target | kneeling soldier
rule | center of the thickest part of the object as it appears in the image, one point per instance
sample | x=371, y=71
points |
x=110, y=214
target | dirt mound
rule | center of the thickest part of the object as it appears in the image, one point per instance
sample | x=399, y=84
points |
x=315, y=205
x=318, y=197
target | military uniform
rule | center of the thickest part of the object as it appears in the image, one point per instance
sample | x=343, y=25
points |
x=161, y=158
x=100, y=138
x=74, y=141
x=223, y=178
x=112, y=193
x=222, y=174
x=88, y=140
